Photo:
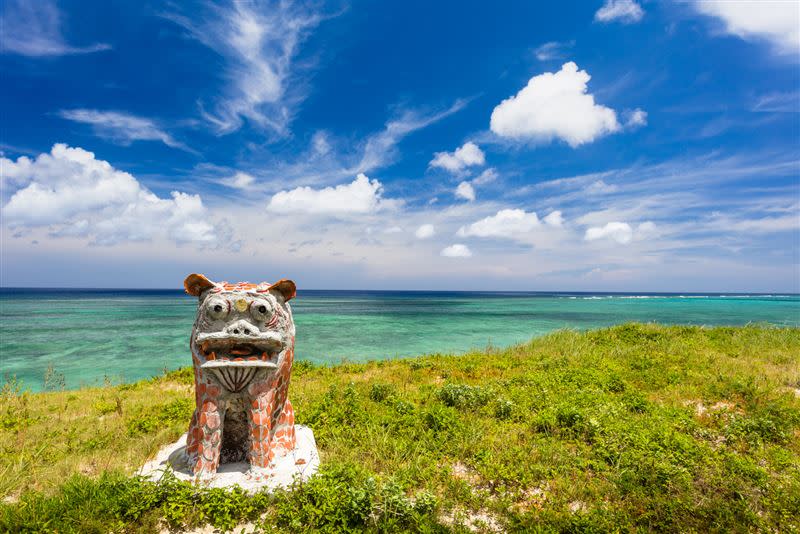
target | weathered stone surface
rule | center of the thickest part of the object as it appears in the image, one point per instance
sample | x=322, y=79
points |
x=242, y=348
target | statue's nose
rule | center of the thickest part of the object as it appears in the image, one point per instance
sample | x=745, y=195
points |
x=241, y=327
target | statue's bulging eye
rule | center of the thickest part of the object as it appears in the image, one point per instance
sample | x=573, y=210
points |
x=217, y=308
x=260, y=310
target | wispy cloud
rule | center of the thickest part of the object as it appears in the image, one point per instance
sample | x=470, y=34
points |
x=122, y=128
x=33, y=29
x=381, y=148
x=553, y=50
x=624, y=11
x=778, y=103
x=259, y=41
x=328, y=160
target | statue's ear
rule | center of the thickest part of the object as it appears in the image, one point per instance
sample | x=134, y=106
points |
x=285, y=287
x=196, y=284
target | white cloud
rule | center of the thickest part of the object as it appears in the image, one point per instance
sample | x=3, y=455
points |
x=467, y=156
x=33, y=29
x=554, y=105
x=487, y=176
x=552, y=50
x=456, y=251
x=554, y=218
x=73, y=193
x=625, y=11
x=600, y=187
x=425, y=231
x=122, y=128
x=319, y=141
x=240, y=180
x=259, y=41
x=361, y=196
x=635, y=118
x=777, y=22
x=381, y=148
x=620, y=232
x=465, y=191
x=508, y=223
x=778, y=103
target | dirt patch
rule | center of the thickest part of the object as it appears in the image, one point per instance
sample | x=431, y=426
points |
x=474, y=521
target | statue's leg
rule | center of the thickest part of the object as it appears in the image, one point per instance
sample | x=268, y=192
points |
x=284, y=440
x=204, y=442
x=261, y=452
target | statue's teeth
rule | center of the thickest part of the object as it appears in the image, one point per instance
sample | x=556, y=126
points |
x=264, y=356
x=204, y=346
x=212, y=356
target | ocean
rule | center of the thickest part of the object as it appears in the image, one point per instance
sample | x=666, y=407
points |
x=92, y=337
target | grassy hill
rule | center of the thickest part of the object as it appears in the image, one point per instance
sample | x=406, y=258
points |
x=637, y=427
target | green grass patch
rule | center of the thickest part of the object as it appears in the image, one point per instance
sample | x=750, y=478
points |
x=631, y=428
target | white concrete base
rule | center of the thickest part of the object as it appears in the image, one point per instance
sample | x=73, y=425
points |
x=299, y=464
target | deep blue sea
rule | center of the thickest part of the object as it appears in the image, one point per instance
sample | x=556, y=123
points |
x=95, y=336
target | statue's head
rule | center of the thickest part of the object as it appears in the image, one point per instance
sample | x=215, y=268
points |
x=240, y=328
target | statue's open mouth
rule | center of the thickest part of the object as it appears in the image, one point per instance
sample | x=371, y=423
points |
x=225, y=350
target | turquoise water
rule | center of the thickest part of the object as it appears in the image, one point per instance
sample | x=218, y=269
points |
x=126, y=335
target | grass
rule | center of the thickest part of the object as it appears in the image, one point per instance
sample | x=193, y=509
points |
x=636, y=427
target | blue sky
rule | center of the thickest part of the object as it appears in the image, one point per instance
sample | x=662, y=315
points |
x=608, y=145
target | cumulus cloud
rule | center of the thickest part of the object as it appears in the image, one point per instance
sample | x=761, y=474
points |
x=359, y=197
x=635, y=118
x=467, y=156
x=621, y=232
x=624, y=11
x=425, y=231
x=122, y=128
x=259, y=41
x=33, y=29
x=554, y=105
x=73, y=193
x=456, y=251
x=554, y=218
x=508, y=223
x=777, y=22
x=465, y=191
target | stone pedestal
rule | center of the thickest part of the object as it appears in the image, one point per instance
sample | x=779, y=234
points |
x=300, y=464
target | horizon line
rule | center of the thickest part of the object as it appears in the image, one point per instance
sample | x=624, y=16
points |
x=699, y=293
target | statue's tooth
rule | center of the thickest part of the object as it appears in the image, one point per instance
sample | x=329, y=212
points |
x=204, y=346
x=264, y=356
x=212, y=356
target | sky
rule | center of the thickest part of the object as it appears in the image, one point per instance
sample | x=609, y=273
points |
x=617, y=145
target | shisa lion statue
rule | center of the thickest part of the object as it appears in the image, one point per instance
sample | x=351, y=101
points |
x=242, y=350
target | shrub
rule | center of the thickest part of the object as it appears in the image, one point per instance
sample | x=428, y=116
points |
x=381, y=392
x=464, y=396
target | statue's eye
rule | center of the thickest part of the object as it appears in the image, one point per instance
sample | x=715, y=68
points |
x=260, y=310
x=217, y=308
